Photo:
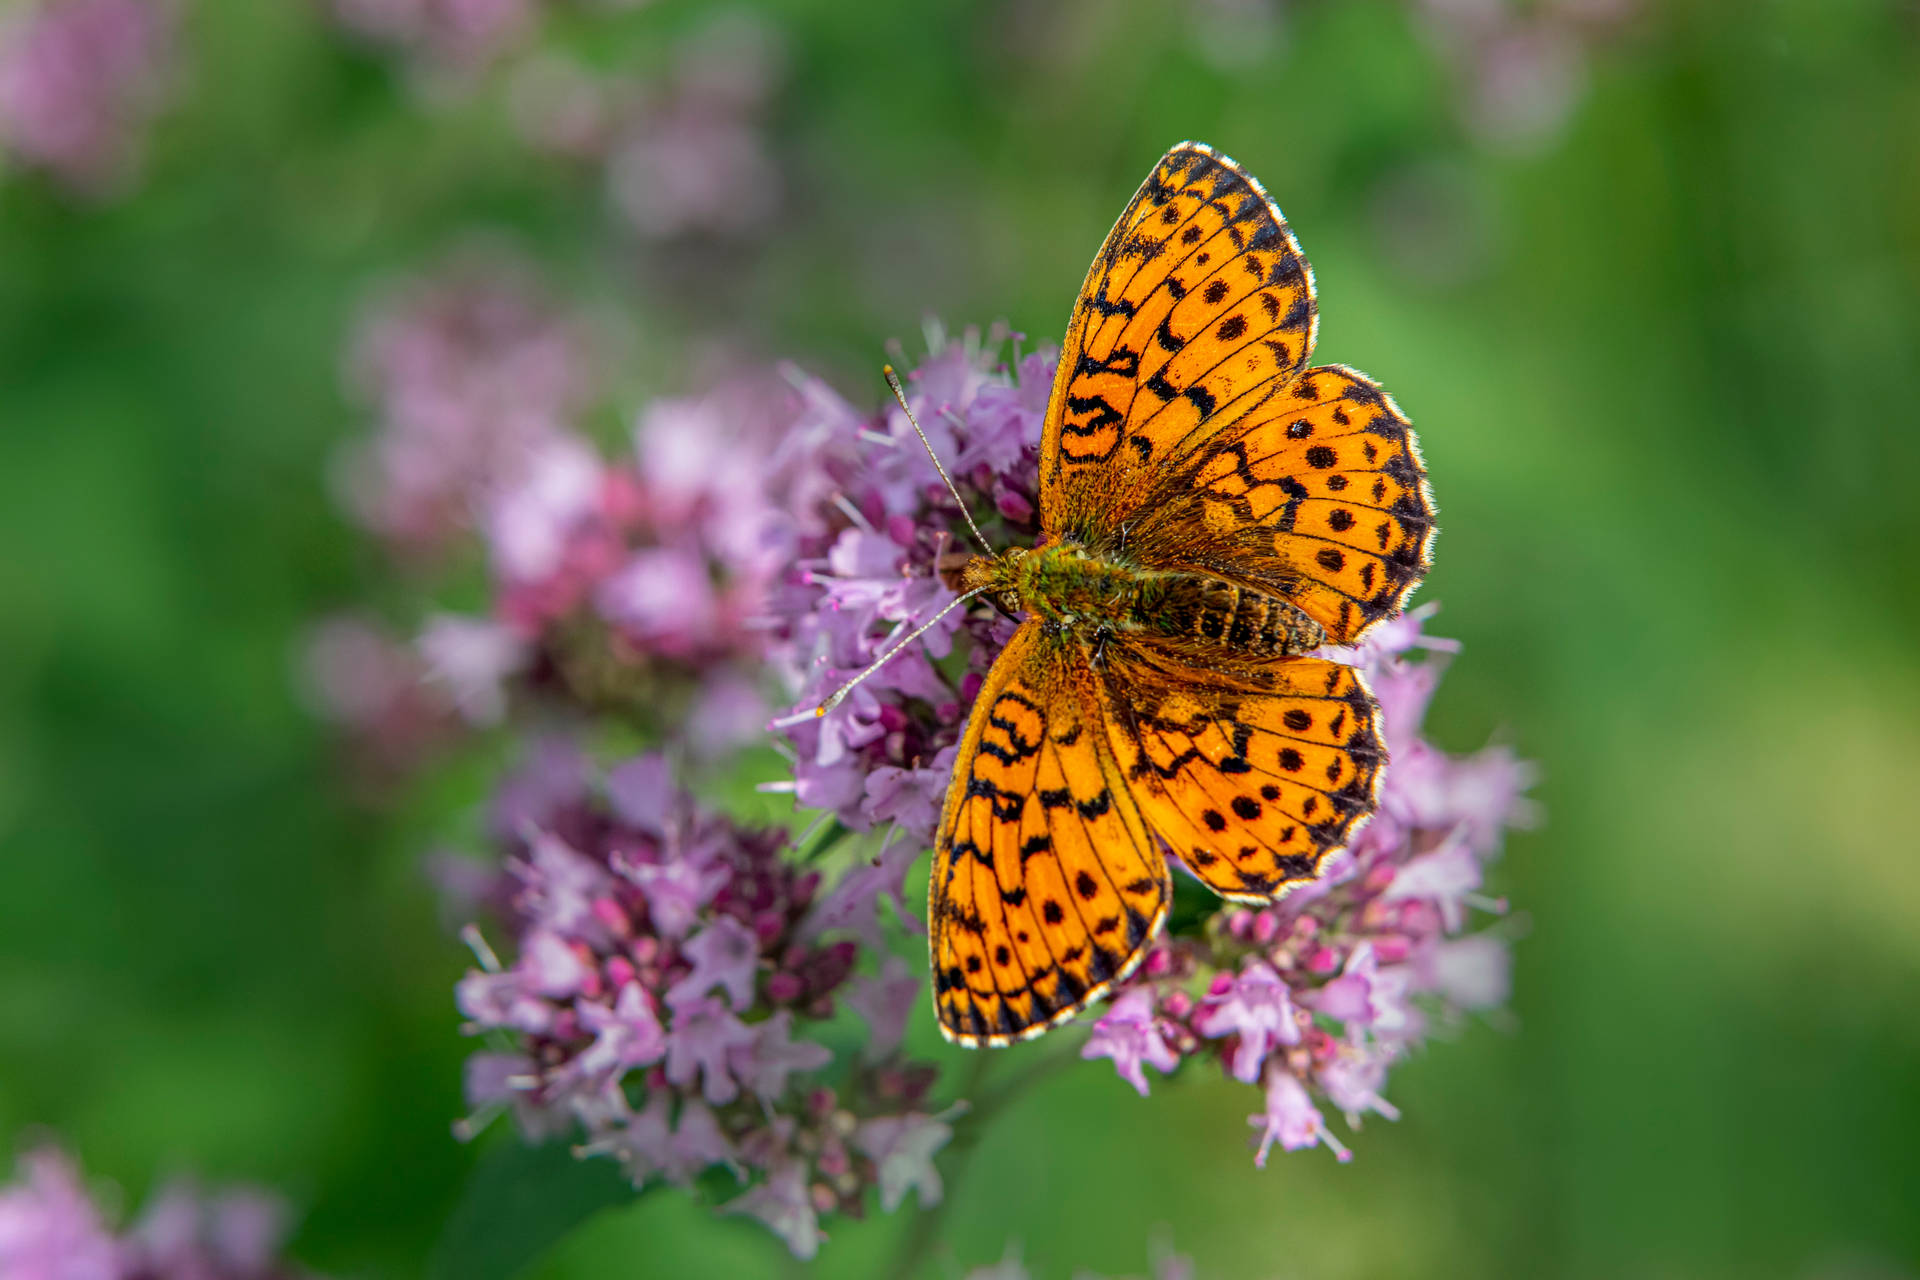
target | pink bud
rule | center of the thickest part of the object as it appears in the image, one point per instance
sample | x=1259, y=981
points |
x=1178, y=1004
x=1379, y=878
x=1240, y=922
x=784, y=987
x=1266, y=926
x=610, y=913
x=620, y=972
x=1221, y=984
x=1323, y=960
x=644, y=949
x=804, y=888
x=768, y=926
x=1159, y=962
x=1392, y=948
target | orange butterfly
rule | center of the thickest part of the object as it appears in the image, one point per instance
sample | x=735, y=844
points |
x=1212, y=511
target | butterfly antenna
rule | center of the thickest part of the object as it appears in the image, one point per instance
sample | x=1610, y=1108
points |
x=840, y=694
x=893, y=380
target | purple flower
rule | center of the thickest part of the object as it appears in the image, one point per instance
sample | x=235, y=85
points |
x=551, y=780
x=1253, y=1006
x=663, y=597
x=869, y=563
x=625, y=1036
x=49, y=1228
x=79, y=80
x=649, y=1143
x=1291, y=1119
x=886, y=1001
x=1353, y=1077
x=1474, y=972
x=530, y=524
x=1365, y=995
x=472, y=373
x=853, y=903
x=724, y=954
x=1447, y=877
x=693, y=158
x=785, y=1204
x=703, y=1039
x=903, y=1147
x=187, y=1233
x=675, y=890
x=1130, y=1034
x=641, y=792
x=472, y=659
x=773, y=1055
x=371, y=685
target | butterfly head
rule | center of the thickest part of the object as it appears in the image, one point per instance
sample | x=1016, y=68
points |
x=1000, y=578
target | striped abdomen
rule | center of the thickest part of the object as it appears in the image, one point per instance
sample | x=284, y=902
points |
x=1207, y=612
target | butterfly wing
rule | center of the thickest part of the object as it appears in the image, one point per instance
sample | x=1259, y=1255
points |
x=1252, y=778
x=1196, y=304
x=1046, y=885
x=1316, y=494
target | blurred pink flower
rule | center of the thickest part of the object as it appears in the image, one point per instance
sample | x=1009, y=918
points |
x=79, y=82
x=50, y=1229
x=475, y=377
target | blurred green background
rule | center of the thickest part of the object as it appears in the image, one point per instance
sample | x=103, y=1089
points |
x=1663, y=361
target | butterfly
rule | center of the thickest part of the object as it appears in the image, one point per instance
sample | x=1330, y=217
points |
x=1212, y=511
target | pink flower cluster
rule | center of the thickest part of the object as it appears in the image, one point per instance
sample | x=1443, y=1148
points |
x=667, y=966
x=1320, y=994
x=51, y=1229
x=872, y=560
x=684, y=153
x=79, y=81
x=470, y=373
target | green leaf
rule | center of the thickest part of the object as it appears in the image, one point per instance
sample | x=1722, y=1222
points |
x=518, y=1203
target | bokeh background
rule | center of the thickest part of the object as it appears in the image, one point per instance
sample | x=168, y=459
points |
x=1645, y=277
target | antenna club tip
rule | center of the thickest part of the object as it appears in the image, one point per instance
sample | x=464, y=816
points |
x=819, y=711
x=887, y=370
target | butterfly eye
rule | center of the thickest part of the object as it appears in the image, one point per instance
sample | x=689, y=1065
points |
x=1011, y=601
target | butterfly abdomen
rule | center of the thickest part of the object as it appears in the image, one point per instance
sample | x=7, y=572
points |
x=1072, y=589
x=1201, y=612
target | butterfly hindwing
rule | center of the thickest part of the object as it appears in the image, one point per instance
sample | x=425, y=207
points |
x=1318, y=494
x=1198, y=300
x=1251, y=779
x=1046, y=886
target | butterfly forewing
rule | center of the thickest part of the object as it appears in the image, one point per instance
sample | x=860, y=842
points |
x=1198, y=301
x=1046, y=884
